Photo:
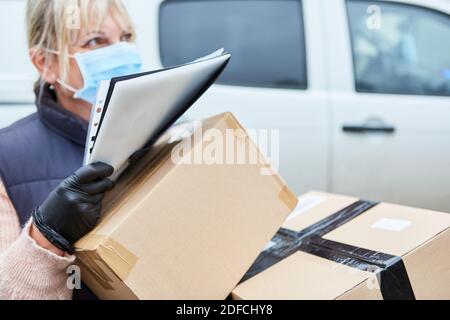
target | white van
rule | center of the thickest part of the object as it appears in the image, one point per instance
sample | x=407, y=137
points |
x=360, y=90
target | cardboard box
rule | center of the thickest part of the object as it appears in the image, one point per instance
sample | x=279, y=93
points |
x=337, y=247
x=183, y=228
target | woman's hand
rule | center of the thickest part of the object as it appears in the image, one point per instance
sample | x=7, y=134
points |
x=74, y=207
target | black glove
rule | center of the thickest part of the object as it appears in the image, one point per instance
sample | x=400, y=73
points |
x=74, y=207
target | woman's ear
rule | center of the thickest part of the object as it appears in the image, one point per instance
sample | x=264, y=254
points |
x=46, y=64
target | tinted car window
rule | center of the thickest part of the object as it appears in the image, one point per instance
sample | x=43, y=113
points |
x=405, y=52
x=266, y=39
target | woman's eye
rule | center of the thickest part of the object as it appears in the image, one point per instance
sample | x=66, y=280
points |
x=126, y=37
x=95, y=42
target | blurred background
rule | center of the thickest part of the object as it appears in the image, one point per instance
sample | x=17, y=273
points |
x=359, y=90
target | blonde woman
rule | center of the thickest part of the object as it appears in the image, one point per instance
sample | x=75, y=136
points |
x=44, y=206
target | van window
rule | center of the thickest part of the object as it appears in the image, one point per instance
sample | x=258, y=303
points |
x=398, y=48
x=265, y=37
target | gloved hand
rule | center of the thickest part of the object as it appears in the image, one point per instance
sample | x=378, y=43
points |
x=74, y=207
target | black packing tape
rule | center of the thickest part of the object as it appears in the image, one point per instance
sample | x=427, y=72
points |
x=395, y=284
x=337, y=219
x=374, y=259
x=392, y=275
x=284, y=245
x=391, y=272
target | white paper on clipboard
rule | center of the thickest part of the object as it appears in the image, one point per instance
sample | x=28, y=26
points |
x=96, y=114
x=140, y=107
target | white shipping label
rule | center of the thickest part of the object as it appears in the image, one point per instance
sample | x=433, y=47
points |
x=304, y=204
x=391, y=224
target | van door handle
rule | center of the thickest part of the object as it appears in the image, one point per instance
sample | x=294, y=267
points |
x=367, y=129
x=373, y=125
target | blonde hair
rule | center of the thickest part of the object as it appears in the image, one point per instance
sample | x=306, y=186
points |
x=55, y=24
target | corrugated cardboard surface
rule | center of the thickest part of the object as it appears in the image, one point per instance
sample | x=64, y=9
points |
x=429, y=268
x=422, y=240
x=187, y=231
x=332, y=203
x=423, y=226
x=301, y=276
x=366, y=290
x=101, y=278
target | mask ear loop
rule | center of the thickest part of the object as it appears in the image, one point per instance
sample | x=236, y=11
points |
x=59, y=81
x=58, y=53
x=66, y=86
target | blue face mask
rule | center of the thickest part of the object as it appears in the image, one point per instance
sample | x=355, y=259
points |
x=116, y=60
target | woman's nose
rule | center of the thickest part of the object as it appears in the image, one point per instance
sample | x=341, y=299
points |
x=115, y=39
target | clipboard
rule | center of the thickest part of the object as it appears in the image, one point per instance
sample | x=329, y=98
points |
x=132, y=112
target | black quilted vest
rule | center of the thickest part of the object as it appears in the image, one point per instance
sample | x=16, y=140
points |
x=37, y=153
